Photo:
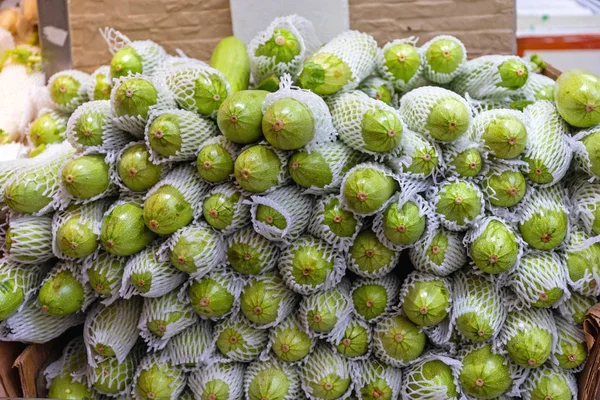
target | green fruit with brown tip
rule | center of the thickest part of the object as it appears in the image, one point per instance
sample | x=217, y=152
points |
x=62, y=294
x=27, y=194
x=88, y=128
x=402, y=60
x=324, y=74
x=381, y=130
x=134, y=97
x=323, y=310
x=448, y=119
x=47, y=128
x=370, y=300
x=167, y=210
x=377, y=88
x=367, y=189
x=403, y=225
x=467, y=163
x=102, y=87
x=260, y=300
x=444, y=56
x=282, y=46
x=219, y=209
x=426, y=303
x=186, y=254
x=399, y=339
x=141, y=281
x=552, y=385
x=208, y=93
x=64, y=89
x=125, y=62
x=505, y=136
x=513, y=74
x=75, y=238
x=11, y=296
x=309, y=265
x=505, y=189
x=369, y=254
x=339, y=220
x=270, y=383
x=310, y=169
x=105, y=277
x=136, y=170
x=572, y=355
x=530, y=347
x=215, y=163
x=355, y=341
x=545, y=229
x=86, y=176
x=458, y=202
x=124, y=232
x=64, y=387
x=158, y=382
x=164, y=135
x=288, y=124
x=210, y=298
x=257, y=169
x=270, y=216
x=577, y=96
x=240, y=116
x=434, y=374
x=249, y=255
x=495, y=250
x=159, y=326
x=485, y=375
x=291, y=344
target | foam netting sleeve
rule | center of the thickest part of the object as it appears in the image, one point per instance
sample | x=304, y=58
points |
x=318, y=228
x=321, y=363
x=536, y=83
x=479, y=294
x=103, y=70
x=584, y=199
x=241, y=213
x=164, y=276
x=192, y=346
x=372, y=371
x=112, y=137
x=575, y=306
x=320, y=249
x=75, y=270
x=415, y=385
x=418, y=277
x=113, y=326
x=580, y=153
x=336, y=302
x=547, y=141
x=151, y=53
x=481, y=78
x=390, y=283
x=292, y=204
x=538, y=273
x=455, y=254
x=264, y=367
x=399, y=84
x=224, y=276
x=480, y=106
x=114, y=172
x=416, y=106
x=275, y=288
x=73, y=360
x=267, y=250
x=48, y=166
x=185, y=178
x=135, y=124
x=253, y=340
x=89, y=214
x=213, y=253
x=85, y=82
x=367, y=165
x=193, y=132
x=347, y=112
x=535, y=376
x=168, y=371
x=181, y=81
x=24, y=277
x=162, y=309
x=435, y=194
x=304, y=32
x=521, y=320
x=289, y=322
x=30, y=239
x=580, y=244
x=415, y=146
x=231, y=374
x=371, y=85
x=111, y=188
x=115, y=374
x=357, y=50
x=60, y=120
x=571, y=335
x=282, y=178
x=442, y=77
x=32, y=325
x=509, y=214
x=454, y=149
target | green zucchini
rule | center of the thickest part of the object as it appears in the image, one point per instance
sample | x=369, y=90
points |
x=231, y=59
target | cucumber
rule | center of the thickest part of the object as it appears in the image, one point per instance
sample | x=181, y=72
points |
x=230, y=57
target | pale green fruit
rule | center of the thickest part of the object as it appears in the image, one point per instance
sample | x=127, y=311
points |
x=86, y=176
x=164, y=134
x=89, y=128
x=495, y=250
x=504, y=189
x=76, y=238
x=324, y=74
x=134, y=97
x=381, y=130
x=64, y=387
x=124, y=232
x=369, y=255
x=545, y=229
x=257, y=169
x=505, y=136
x=448, y=119
x=136, y=170
x=125, y=62
x=290, y=343
x=444, y=55
x=402, y=60
x=459, y=202
x=167, y=210
x=577, y=96
x=513, y=74
x=159, y=382
x=467, y=163
x=426, y=303
x=288, y=124
x=240, y=116
x=432, y=375
x=283, y=46
x=355, y=341
x=399, y=339
x=210, y=298
x=485, y=375
x=64, y=90
x=61, y=295
x=367, y=189
x=404, y=225
x=47, y=128
x=215, y=163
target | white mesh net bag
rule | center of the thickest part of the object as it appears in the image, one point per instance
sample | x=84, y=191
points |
x=548, y=152
x=225, y=209
x=11, y=164
x=324, y=131
x=237, y=340
x=195, y=249
x=491, y=77
x=571, y=347
x=271, y=378
x=327, y=374
x=214, y=377
x=80, y=185
x=367, y=125
x=175, y=135
x=379, y=89
x=21, y=281
x=289, y=342
x=417, y=385
x=580, y=253
x=265, y=57
x=440, y=253
x=68, y=273
x=435, y=112
x=309, y=264
x=356, y=50
x=333, y=223
x=355, y=343
x=250, y=253
x=146, y=275
x=505, y=190
x=28, y=239
x=266, y=301
x=459, y=203
x=443, y=58
x=480, y=106
x=101, y=84
x=540, y=280
x=326, y=314
x=370, y=258
x=170, y=63
x=478, y=309
x=400, y=84
x=77, y=230
x=91, y=128
x=426, y=299
x=373, y=299
x=549, y=382
x=114, y=379
x=373, y=379
x=150, y=376
x=32, y=325
x=73, y=361
x=529, y=336
x=244, y=169
x=164, y=317
x=111, y=331
x=281, y=215
x=151, y=54
x=39, y=181
x=575, y=307
x=131, y=114
x=420, y=157
x=191, y=348
x=538, y=87
x=69, y=89
x=104, y=272
x=198, y=88
x=584, y=201
x=585, y=158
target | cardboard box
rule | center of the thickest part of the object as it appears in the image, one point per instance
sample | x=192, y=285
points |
x=485, y=26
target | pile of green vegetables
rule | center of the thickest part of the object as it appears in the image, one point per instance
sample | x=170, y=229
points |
x=298, y=220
